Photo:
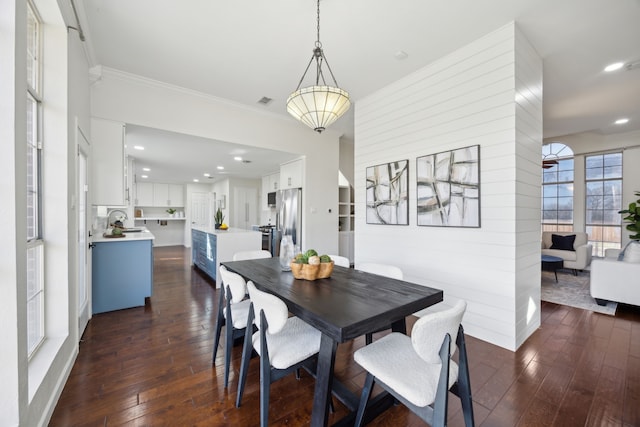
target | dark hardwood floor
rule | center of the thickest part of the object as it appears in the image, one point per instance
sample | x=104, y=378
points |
x=151, y=366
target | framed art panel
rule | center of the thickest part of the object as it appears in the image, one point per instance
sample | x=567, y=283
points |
x=448, y=186
x=387, y=193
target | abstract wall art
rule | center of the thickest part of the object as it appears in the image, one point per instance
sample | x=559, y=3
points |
x=387, y=193
x=448, y=187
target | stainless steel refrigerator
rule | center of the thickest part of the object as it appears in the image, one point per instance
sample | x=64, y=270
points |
x=288, y=217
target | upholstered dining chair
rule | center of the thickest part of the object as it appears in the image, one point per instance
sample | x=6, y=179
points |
x=233, y=311
x=386, y=270
x=283, y=343
x=245, y=255
x=342, y=261
x=418, y=370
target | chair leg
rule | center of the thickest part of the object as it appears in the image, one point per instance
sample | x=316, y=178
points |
x=265, y=386
x=228, y=347
x=219, y=324
x=464, y=383
x=265, y=372
x=246, y=357
x=364, y=398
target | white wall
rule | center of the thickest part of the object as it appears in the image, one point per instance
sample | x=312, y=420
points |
x=465, y=98
x=132, y=99
x=13, y=361
x=528, y=103
x=590, y=143
x=30, y=389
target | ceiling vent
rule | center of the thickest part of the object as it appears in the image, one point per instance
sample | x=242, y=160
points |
x=633, y=65
x=265, y=100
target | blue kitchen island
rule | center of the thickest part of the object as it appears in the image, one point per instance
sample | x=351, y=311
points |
x=210, y=247
x=122, y=271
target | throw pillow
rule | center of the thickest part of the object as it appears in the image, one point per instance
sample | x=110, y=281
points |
x=632, y=252
x=564, y=243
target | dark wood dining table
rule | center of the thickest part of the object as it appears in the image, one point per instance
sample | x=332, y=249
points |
x=344, y=306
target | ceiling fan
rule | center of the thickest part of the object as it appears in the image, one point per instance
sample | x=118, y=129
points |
x=547, y=164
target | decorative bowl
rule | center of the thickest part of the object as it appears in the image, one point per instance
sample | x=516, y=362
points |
x=311, y=271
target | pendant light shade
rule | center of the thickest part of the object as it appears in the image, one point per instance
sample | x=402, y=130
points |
x=319, y=105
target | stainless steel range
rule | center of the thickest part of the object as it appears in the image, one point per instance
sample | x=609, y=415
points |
x=267, y=238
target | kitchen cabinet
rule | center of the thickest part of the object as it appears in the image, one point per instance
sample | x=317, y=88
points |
x=108, y=163
x=210, y=247
x=269, y=185
x=144, y=194
x=122, y=273
x=176, y=195
x=291, y=174
x=203, y=252
x=160, y=195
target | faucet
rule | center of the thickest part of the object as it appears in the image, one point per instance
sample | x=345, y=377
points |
x=120, y=218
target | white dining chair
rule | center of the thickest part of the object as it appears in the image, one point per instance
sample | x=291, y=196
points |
x=385, y=270
x=418, y=370
x=245, y=255
x=233, y=311
x=283, y=343
x=341, y=261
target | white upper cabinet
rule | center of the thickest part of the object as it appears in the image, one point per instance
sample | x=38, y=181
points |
x=176, y=195
x=270, y=183
x=144, y=194
x=291, y=174
x=159, y=195
x=108, y=163
x=274, y=182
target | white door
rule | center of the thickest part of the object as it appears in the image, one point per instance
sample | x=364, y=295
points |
x=199, y=209
x=83, y=221
x=245, y=207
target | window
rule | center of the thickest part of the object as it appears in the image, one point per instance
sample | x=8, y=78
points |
x=35, y=244
x=557, y=187
x=603, y=176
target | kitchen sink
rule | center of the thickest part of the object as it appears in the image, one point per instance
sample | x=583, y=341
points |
x=132, y=230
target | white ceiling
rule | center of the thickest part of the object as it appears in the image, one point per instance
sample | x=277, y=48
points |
x=243, y=50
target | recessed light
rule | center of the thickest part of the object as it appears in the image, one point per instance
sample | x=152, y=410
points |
x=237, y=158
x=613, y=67
x=146, y=169
x=622, y=121
x=220, y=168
x=196, y=180
x=144, y=176
x=138, y=147
x=206, y=174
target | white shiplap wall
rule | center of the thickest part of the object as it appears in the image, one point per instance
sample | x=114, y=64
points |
x=466, y=98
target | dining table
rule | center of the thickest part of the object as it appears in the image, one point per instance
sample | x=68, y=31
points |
x=348, y=304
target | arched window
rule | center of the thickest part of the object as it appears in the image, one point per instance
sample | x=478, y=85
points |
x=557, y=187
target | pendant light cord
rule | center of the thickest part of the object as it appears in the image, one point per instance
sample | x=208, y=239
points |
x=318, y=44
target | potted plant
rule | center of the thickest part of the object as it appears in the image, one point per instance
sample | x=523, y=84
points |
x=218, y=218
x=633, y=218
x=171, y=212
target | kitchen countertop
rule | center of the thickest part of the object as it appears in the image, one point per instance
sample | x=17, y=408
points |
x=231, y=230
x=159, y=218
x=128, y=237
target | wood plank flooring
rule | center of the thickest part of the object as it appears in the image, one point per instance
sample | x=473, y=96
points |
x=151, y=366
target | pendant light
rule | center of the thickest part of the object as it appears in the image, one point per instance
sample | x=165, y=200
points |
x=320, y=105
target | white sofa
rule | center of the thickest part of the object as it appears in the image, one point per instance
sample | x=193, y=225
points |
x=579, y=258
x=613, y=280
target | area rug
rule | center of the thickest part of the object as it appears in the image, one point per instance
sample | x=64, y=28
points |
x=572, y=291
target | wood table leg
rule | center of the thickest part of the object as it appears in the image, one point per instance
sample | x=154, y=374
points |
x=324, y=382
